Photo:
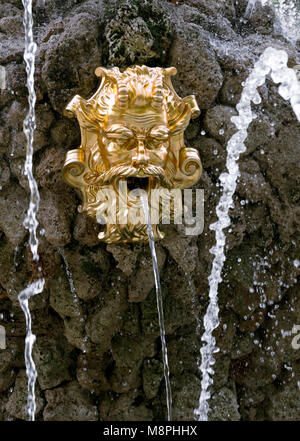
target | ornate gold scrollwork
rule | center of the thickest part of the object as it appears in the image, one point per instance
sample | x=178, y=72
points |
x=74, y=167
x=190, y=165
x=131, y=131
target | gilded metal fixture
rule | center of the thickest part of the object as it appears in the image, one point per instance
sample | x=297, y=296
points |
x=131, y=131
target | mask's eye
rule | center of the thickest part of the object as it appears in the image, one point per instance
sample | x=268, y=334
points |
x=157, y=136
x=160, y=133
x=118, y=144
x=153, y=143
x=121, y=141
x=120, y=133
x=130, y=143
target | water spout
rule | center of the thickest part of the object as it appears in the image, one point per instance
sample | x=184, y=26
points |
x=159, y=301
x=30, y=221
x=271, y=61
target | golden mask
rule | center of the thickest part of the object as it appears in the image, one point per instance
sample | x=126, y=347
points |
x=131, y=137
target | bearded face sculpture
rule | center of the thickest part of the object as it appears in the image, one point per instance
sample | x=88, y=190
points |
x=131, y=137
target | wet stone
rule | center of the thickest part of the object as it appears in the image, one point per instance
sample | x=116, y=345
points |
x=53, y=361
x=69, y=403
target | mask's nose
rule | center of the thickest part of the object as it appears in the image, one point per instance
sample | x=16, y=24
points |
x=140, y=157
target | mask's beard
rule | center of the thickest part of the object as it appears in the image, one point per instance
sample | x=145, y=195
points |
x=125, y=171
x=129, y=224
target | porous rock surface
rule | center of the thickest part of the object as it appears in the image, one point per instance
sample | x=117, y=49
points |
x=98, y=351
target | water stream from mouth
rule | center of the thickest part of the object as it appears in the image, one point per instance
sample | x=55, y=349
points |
x=272, y=61
x=159, y=302
x=30, y=221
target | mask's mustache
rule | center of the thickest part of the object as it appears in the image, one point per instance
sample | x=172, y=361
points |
x=124, y=171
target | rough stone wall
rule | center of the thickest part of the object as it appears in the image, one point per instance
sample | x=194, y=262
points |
x=98, y=353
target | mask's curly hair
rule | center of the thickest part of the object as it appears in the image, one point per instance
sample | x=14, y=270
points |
x=138, y=85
